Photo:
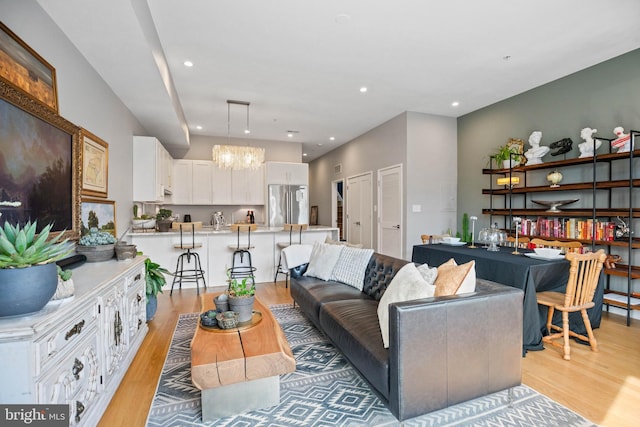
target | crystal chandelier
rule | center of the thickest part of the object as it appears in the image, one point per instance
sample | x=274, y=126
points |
x=235, y=156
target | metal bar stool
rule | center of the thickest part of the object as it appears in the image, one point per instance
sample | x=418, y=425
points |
x=241, y=265
x=281, y=245
x=183, y=274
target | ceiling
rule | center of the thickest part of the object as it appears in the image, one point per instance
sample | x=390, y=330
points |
x=301, y=64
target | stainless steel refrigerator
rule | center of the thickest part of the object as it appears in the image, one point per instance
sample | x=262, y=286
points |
x=287, y=204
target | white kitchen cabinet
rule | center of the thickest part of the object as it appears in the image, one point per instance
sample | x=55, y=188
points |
x=201, y=183
x=287, y=173
x=149, y=170
x=77, y=351
x=167, y=167
x=221, y=186
x=182, y=182
x=194, y=182
x=247, y=186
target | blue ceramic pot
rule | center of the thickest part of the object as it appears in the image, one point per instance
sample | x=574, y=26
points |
x=26, y=290
x=152, y=306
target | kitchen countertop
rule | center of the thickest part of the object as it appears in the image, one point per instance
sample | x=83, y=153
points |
x=208, y=229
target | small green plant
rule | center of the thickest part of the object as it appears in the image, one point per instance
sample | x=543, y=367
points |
x=95, y=238
x=64, y=274
x=466, y=236
x=164, y=214
x=20, y=248
x=241, y=288
x=506, y=152
x=154, y=278
x=135, y=211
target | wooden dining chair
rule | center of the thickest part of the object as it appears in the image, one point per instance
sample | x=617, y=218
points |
x=522, y=241
x=584, y=273
x=566, y=246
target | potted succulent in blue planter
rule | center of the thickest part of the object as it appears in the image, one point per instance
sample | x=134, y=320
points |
x=28, y=270
x=154, y=280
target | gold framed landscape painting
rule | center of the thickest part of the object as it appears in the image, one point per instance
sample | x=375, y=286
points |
x=95, y=165
x=98, y=213
x=25, y=70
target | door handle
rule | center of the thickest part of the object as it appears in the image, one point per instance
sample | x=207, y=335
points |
x=397, y=226
x=357, y=222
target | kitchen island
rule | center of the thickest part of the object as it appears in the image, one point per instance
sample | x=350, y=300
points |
x=215, y=254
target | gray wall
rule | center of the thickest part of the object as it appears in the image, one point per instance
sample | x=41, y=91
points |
x=603, y=96
x=83, y=97
x=426, y=147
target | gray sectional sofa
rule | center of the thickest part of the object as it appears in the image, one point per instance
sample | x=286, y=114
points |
x=443, y=350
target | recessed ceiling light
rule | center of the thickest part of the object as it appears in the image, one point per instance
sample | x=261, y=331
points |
x=199, y=127
x=455, y=103
x=332, y=138
x=343, y=18
x=363, y=89
x=304, y=154
x=290, y=135
x=247, y=131
x=319, y=144
x=188, y=64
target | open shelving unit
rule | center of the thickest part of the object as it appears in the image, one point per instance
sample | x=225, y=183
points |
x=627, y=300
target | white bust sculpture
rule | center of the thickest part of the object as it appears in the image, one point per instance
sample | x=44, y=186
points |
x=536, y=152
x=586, y=147
x=623, y=142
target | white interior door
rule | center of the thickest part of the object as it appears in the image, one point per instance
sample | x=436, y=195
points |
x=359, y=208
x=390, y=224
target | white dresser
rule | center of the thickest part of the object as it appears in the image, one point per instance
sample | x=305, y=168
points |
x=76, y=351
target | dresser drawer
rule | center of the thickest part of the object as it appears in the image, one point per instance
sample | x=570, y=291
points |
x=134, y=277
x=75, y=380
x=65, y=336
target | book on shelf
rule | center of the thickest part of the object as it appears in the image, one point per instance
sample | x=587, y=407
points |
x=569, y=228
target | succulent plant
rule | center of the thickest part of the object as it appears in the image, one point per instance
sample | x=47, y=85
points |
x=21, y=248
x=95, y=238
x=64, y=274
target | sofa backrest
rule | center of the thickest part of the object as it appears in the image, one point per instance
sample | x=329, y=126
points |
x=379, y=273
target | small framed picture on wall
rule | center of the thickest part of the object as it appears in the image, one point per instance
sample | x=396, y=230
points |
x=95, y=165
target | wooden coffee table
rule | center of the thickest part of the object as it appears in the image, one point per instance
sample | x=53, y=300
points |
x=238, y=369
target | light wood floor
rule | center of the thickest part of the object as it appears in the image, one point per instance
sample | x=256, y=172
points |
x=603, y=387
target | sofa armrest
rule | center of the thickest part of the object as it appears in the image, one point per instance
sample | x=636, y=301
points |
x=299, y=270
x=448, y=350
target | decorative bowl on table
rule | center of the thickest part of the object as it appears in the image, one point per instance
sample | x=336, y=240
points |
x=227, y=320
x=447, y=239
x=208, y=318
x=548, y=252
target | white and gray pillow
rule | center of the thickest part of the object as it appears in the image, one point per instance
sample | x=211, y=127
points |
x=351, y=266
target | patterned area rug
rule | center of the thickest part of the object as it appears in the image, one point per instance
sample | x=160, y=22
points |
x=326, y=391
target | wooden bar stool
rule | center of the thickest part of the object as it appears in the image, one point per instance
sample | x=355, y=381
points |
x=183, y=274
x=291, y=228
x=241, y=264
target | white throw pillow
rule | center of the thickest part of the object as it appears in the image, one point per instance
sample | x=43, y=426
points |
x=323, y=259
x=351, y=266
x=408, y=284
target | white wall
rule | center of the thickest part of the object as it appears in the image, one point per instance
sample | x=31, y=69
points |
x=83, y=97
x=431, y=177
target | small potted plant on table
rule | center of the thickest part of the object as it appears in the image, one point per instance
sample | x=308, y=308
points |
x=242, y=297
x=97, y=245
x=163, y=219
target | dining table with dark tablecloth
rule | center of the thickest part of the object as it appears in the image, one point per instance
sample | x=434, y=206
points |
x=520, y=271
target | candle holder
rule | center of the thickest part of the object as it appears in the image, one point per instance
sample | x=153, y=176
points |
x=473, y=231
x=516, y=221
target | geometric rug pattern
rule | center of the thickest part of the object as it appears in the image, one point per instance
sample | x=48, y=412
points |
x=325, y=390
